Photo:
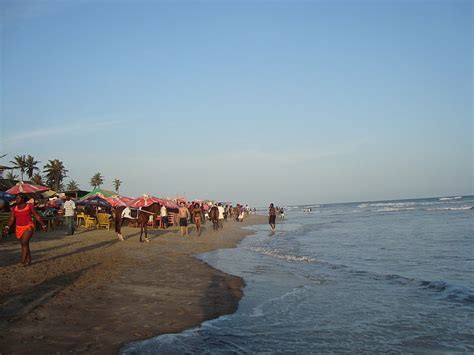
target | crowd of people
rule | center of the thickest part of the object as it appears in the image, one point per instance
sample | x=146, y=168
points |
x=25, y=211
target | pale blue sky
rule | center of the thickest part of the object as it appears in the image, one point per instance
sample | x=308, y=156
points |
x=248, y=101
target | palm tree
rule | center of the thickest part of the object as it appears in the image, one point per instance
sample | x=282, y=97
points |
x=97, y=180
x=117, y=184
x=37, y=179
x=55, y=173
x=11, y=175
x=30, y=166
x=72, y=186
x=3, y=167
x=20, y=164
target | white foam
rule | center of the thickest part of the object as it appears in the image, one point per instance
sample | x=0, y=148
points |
x=395, y=209
x=463, y=208
x=276, y=254
x=450, y=198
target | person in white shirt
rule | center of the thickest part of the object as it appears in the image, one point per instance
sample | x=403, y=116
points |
x=69, y=214
x=164, y=216
x=221, y=215
x=126, y=213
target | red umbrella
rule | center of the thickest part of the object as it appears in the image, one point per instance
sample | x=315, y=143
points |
x=117, y=201
x=22, y=188
x=143, y=201
x=167, y=203
x=126, y=199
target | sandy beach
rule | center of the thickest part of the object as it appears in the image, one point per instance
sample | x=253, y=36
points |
x=91, y=293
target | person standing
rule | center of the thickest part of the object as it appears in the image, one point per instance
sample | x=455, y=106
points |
x=164, y=216
x=197, y=214
x=69, y=215
x=221, y=215
x=272, y=216
x=21, y=216
x=183, y=218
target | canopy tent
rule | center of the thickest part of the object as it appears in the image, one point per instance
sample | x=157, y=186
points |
x=98, y=191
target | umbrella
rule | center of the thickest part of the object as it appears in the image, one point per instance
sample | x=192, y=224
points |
x=94, y=201
x=168, y=203
x=49, y=193
x=6, y=197
x=116, y=201
x=126, y=199
x=22, y=188
x=144, y=201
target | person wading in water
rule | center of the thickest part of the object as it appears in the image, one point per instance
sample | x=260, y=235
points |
x=272, y=216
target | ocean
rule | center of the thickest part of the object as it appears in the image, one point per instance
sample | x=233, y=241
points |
x=390, y=276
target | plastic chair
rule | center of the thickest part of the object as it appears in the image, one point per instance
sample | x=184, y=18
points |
x=80, y=219
x=89, y=221
x=103, y=220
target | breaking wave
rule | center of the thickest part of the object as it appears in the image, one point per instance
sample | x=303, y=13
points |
x=279, y=255
x=450, y=198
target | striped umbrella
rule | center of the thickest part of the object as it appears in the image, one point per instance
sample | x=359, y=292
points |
x=143, y=201
x=22, y=188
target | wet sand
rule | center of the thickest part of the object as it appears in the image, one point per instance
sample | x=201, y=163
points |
x=90, y=293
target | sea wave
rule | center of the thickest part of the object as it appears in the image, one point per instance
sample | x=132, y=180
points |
x=387, y=204
x=450, y=198
x=395, y=209
x=445, y=290
x=449, y=291
x=462, y=208
x=279, y=255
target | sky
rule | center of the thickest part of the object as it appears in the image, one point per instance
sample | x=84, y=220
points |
x=290, y=102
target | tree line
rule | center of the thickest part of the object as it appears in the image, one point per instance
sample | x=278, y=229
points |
x=53, y=174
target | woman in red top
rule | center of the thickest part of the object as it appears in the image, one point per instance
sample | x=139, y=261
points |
x=21, y=215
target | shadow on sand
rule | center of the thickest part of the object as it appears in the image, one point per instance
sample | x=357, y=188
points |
x=17, y=305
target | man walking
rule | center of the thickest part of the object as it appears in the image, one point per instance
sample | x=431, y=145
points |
x=69, y=214
x=183, y=218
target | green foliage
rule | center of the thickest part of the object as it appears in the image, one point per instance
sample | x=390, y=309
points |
x=97, y=180
x=117, y=184
x=72, y=186
x=20, y=164
x=55, y=172
x=30, y=166
x=11, y=175
x=37, y=179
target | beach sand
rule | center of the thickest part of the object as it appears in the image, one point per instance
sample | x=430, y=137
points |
x=91, y=293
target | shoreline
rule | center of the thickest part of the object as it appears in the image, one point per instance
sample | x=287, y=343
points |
x=91, y=293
